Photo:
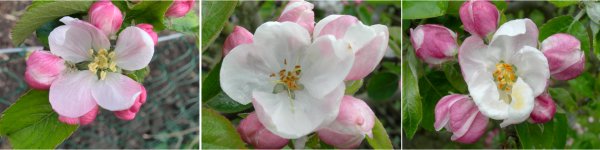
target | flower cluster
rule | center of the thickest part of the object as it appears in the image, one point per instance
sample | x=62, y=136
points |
x=84, y=71
x=507, y=73
x=293, y=71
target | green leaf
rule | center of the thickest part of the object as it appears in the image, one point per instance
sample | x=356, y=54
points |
x=188, y=24
x=31, y=123
x=412, y=111
x=224, y=104
x=543, y=136
x=211, y=85
x=454, y=76
x=564, y=98
x=315, y=143
x=562, y=3
x=364, y=15
x=582, y=86
x=139, y=75
x=353, y=86
x=566, y=24
x=151, y=12
x=423, y=9
x=382, y=85
x=218, y=132
x=43, y=12
x=380, y=139
x=214, y=16
x=43, y=32
x=436, y=86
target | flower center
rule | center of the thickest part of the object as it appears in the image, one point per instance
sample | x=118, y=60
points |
x=288, y=80
x=505, y=76
x=103, y=62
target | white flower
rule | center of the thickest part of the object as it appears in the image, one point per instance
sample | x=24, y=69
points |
x=77, y=91
x=295, y=84
x=505, y=76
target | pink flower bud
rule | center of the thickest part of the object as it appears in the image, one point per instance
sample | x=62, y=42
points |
x=459, y=115
x=543, y=109
x=354, y=121
x=149, y=29
x=239, y=36
x=129, y=114
x=83, y=120
x=433, y=44
x=42, y=69
x=479, y=18
x=179, y=8
x=254, y=133
x=300, y=12
x=106, y=17
x=565, y=58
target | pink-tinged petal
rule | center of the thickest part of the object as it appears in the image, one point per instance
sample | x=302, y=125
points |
x=134, y=49
x=129, y=114
x=116, y=92
x=239, y=36
x=433, y=44
x=565, y=58
x=73, y=40
x=83, y=120
x=462, y=114
x=442, y=108
x=368, y=55
x=42, y=69
x=255, y=134
x=299, y=12
x=544, y=109
x=106, y=17
x=476, y=130
x=340, y=140
x=354, y=121
x=479, y=18
x=335, y=25
x=179, y=8
x=70, y=94
x=150, y=30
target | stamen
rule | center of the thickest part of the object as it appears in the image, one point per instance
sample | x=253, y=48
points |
x=505, y=76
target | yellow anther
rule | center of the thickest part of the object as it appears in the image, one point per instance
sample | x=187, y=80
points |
x=505, y=76
x=113, y=66
x=102, y=75
x=91, y=52
x=103, y=62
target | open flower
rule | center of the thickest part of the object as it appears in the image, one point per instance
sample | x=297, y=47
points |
x=369, y=43
x=505, y=76
x=295, y=84
x=93, y=76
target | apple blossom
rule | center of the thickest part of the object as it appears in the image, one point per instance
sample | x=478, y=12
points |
x=42, y=69
x=93, y=76
x=179, y=8
x=433, y=44
x=354, y=121
x=300, y=12
x=239, y=36
x=565, y=58
x=544, y=109
x=294, y=83
x=459, y=115
x=255, y=134
x=106, y=17
x=369, y=43
x=148, y=28
x=479, y=17
x=505, y=76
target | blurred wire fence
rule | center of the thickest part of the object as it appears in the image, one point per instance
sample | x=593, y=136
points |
x=169, y=118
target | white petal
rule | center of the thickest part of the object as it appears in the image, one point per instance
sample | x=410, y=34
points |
x=296, y=118
x=514, y=35
x=248, y=67
x=521, y=105
x=358, y=35
x=116, y=92
x=532, y=67
x=474, y=56
x=73, y=40
x=485, y=94
x=70, y=94
x=325, y=65
x=134, y=49
x=322, y=23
